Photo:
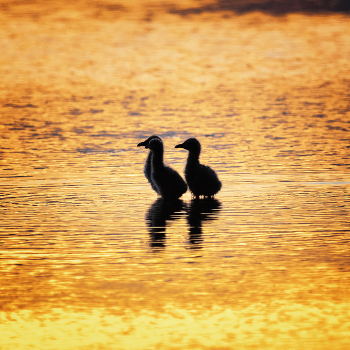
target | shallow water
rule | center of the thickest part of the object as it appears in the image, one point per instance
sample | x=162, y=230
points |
x=91, y=259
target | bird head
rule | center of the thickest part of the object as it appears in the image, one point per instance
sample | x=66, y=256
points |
x=155, y=145
x=146, y=142
x=191, y=144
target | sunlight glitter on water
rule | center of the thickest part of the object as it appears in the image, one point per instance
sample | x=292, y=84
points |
x=90, y=258
x=180, y=328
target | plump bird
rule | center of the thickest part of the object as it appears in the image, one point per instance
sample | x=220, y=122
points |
x=201, y=179
x=147, y=170
x=169, y=184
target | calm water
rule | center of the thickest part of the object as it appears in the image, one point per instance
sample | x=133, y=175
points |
x=91, y=259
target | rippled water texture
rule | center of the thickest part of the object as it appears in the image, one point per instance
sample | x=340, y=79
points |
x=91, y=259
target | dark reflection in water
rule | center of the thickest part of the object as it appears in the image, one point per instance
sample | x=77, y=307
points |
x=198, y=210
x=201, y=210
x=157, y=216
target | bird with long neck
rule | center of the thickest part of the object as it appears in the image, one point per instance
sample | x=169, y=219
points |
x=169, y=183
x=201, y=179
x=147, y=170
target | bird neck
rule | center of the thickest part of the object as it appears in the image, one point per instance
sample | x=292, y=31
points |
x=193, y=157
x=148, y=163
x=157, y=160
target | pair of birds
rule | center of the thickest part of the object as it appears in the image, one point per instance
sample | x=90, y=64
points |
x=201, y=179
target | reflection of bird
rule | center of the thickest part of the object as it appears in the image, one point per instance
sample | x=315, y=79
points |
x=168, y=182
x=157, y=216
x=201, y=179
x=148, y=165
x=205, y=209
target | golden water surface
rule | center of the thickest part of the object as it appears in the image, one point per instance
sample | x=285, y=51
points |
x=91, y=259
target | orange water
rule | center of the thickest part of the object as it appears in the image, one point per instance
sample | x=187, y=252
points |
x=90, y=259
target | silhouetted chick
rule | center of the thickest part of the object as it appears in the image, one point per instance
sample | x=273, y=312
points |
x=201, y=179
x=169, y=184
x=147, y=170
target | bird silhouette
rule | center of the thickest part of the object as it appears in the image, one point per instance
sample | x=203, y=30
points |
x=201, y=179
x=169, y=184
x=147, y=170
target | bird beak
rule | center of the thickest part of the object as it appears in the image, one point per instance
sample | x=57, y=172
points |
x=141, y=144
x=146, y=146
x=179, y=146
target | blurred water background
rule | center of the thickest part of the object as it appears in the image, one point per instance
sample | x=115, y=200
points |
x=91, y=259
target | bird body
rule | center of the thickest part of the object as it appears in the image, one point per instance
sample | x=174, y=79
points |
x=201, y=179
x=169, y=183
